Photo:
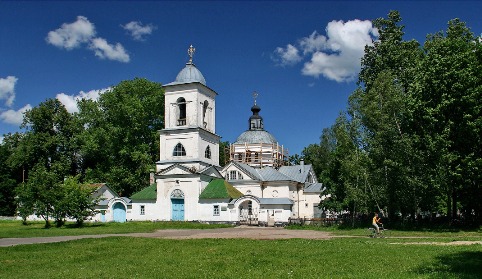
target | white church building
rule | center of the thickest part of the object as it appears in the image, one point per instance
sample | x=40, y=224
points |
x=255, y=187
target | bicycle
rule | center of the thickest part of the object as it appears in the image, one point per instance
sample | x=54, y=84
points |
x=381, y=234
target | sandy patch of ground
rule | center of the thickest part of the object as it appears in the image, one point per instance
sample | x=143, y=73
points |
x=440, y=243
x=237, y=232
x=262, y=233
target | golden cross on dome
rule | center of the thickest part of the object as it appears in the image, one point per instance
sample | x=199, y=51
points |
x=255, y=95
x=190, y=52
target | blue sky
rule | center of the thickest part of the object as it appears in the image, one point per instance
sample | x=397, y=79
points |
x=301, y=57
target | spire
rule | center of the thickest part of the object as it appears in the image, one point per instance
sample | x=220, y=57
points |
x=255, y=95
x=190, y=52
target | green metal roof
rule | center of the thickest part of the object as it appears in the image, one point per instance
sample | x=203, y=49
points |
x=148, y=193
x=220, y=189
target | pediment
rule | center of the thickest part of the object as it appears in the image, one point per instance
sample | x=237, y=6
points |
x=176, y=169
x=212, y=171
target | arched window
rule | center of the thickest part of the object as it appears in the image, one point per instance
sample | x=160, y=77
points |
x=181, y=111
x=179, y=150
x=207, y=152
x=205, y=108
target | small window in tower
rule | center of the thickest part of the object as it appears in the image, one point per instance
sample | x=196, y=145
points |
x=207, y=152
x=181, y=112
x=205, y=109
x=179, y=150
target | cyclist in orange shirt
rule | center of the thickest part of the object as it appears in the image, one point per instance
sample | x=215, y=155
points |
x=375, y=223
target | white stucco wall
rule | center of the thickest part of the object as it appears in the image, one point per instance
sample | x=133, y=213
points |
x=151, y=211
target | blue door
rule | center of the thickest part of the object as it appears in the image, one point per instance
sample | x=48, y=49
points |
x=119, y=212
x=177, y=206
x=102, y=215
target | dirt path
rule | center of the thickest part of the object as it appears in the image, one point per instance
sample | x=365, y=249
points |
x=440, y=243
x=263, y=233
x=237, y=232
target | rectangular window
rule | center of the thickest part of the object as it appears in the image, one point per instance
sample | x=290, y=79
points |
x=143, y=209
x=216, y=210
x=232, y=175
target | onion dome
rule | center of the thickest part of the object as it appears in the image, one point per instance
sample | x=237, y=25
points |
x=256, y=132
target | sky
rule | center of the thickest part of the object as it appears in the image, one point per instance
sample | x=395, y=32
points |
x=302, y=58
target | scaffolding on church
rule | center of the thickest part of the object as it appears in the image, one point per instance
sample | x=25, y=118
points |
x=259, y=154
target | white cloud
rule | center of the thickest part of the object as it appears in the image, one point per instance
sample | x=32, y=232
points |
x=70, y=101
x=72, y=35
x=137, y=31
x=314, y=42
x=288, y=56
x=82, y=33
x=104, y=50
x=335, y=56
x=7, y=89
x=14, y=116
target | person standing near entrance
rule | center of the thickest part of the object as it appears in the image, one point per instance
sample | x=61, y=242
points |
x=375, y=223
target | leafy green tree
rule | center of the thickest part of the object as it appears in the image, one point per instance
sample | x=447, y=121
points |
x=47, y=140
x=344, y=167
x=120, y=140
x=25, y=202
x=47, y=154
x=7, y=183
x=449, y=89
x=42, y=194
x=78, y=201
x=294, y=159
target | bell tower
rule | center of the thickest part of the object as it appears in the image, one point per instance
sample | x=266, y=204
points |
x=189, y=136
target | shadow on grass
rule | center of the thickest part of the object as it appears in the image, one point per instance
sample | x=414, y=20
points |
x=466, y=265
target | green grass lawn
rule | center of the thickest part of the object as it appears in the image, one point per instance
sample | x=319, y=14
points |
x=355, y=256
x=36, y=229
x=129, y=257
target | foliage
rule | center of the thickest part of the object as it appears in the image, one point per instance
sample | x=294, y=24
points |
x=78, y=201
x=223, y=153
x=114, y=140
x=120, y=139
x=410, y=140
x=41, y=194
x=7, y=183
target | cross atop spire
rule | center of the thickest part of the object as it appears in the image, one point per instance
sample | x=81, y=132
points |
x=190, y=52
x=255, y=95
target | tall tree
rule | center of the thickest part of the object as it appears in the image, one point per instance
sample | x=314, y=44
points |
x=7, y=183
x=120, y=141
x=48, y=140
x=449, y=90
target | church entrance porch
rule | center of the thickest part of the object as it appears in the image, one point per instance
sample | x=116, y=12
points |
x=248, y=210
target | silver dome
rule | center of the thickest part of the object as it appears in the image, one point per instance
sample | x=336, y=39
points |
x=256, y=136
x=190, y=74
